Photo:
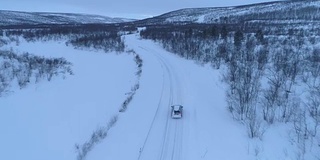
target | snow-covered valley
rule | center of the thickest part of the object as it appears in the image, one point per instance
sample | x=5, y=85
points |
x=46, y=120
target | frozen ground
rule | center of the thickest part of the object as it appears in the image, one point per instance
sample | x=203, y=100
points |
x=45, y=120
x=147, y=130
x=206, y=130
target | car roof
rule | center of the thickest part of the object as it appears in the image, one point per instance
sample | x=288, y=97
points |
x=176, y=107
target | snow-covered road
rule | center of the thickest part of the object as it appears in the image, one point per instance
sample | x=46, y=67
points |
x=169, y=130
x=146, y=131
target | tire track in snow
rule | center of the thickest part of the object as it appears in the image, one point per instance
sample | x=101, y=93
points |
x=162, y=102
x=164, y=149
x=156, y=113
x=174, y=145
x=171, y=145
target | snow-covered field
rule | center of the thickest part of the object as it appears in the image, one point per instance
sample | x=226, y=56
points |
x=46, y=120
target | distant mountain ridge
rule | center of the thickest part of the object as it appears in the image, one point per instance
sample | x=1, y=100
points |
x=298, y=12
x=33, y=18
x=274, y=12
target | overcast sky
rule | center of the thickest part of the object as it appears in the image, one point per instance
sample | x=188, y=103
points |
x=116, y=8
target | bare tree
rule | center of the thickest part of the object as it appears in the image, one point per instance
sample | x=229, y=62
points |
x=282, y=77
x=243, y=77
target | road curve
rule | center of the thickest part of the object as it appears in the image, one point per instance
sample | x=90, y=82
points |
x=164, y=127
x=147, y=132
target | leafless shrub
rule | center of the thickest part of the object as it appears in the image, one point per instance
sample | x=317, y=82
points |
x=25, y=66
x=255, y=127
x=96, y=137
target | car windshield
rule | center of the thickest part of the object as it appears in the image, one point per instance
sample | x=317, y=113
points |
x=176, y=108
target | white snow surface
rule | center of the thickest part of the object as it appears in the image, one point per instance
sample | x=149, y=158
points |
x=45, y=120
x=206, y=131
x=214, y=15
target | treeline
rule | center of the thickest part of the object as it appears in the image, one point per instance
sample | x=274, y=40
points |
x=27, y=68
x=270, y=78
x=96, y=36
x=103, y=41
x=24, y=67
x=298, y=11
x=192, y=42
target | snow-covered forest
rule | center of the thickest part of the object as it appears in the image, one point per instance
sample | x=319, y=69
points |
x=271, y=79
x=26, y=67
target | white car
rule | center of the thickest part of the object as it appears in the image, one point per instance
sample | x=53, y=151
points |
x=176, y=111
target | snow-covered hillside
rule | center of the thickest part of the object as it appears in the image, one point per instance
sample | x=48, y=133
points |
x=275, y=13
x=31, y=18
x=47, y=120
x=271, y=12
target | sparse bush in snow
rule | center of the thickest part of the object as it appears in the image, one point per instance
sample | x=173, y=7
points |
x=255, y=126
x=99, y=134
x=312, y=80
x=136, y=86
x=26, y=66
x=104, y=41
x=96, y=137
x=4, y=83
x=93, y=36
x=243, y=78
x=2, y=42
